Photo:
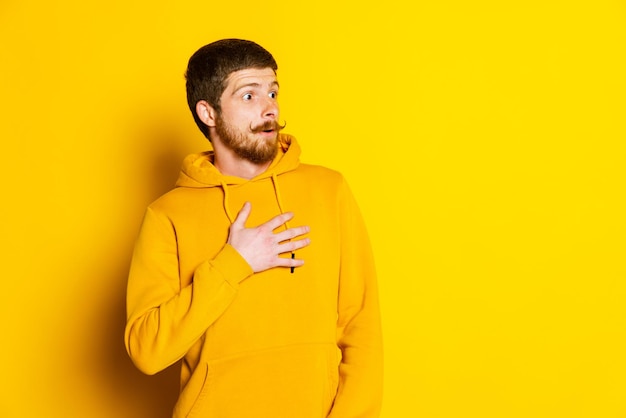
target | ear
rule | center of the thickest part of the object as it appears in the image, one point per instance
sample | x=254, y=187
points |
x=206, y=113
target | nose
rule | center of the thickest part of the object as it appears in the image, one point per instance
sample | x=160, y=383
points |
x=270, y=108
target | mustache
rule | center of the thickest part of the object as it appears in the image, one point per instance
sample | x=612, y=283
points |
x=267, y=126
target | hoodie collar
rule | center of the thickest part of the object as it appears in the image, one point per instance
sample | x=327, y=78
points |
x=198, y=170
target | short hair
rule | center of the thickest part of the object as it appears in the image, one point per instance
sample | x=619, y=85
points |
x=210, y=66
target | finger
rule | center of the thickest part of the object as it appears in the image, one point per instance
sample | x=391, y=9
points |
x=278, y=220
x=288, y=262
x=243, y=214
x=293, y=245
x=291, y=233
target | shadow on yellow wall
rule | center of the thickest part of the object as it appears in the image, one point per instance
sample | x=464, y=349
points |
x=157, y=152
x=157, y=148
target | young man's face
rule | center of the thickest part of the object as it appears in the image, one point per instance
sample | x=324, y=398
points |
x=248, y=123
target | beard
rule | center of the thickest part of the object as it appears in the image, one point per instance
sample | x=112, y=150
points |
x=245, y=145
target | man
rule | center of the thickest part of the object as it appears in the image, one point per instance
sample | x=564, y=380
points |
x=270, y=319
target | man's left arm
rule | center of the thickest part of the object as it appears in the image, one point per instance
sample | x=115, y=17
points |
x=358, y=328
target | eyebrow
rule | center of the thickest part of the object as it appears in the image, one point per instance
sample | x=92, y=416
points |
x=254, y=85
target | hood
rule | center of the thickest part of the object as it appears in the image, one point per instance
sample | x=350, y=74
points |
x=198, y=170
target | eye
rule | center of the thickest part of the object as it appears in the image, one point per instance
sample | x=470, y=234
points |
x=273, y=94
x=247, y=96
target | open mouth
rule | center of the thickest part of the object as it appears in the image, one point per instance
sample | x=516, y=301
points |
x=269, y=127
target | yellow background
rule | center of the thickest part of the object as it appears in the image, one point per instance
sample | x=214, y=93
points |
x=484, y=141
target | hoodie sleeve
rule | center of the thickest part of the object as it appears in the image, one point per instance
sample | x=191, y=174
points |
x=163, y=319
x=358, y=328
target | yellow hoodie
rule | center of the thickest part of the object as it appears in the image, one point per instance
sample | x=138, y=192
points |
x=276, y=344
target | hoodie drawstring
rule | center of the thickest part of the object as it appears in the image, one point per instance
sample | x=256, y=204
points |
x=278, y=199
x=280, y=206
x=228, y=214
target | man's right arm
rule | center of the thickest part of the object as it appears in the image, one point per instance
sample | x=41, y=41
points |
x=165, y=320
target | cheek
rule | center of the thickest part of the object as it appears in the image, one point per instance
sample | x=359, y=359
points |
x=234, y=119
x=244, y=118
x=241, y=117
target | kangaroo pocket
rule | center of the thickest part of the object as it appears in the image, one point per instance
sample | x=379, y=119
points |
x=294, y=381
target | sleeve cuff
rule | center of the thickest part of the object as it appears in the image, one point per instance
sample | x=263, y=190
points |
x=232, y=266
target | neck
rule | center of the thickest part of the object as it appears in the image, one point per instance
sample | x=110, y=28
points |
x=230, y=164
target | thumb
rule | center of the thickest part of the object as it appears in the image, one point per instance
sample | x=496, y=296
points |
x=242, y=216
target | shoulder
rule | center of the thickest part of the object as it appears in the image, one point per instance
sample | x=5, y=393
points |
x=320, y=182
x=320, y=173
x=175, y=199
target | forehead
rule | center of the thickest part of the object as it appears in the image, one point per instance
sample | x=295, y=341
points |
x=250, y=76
